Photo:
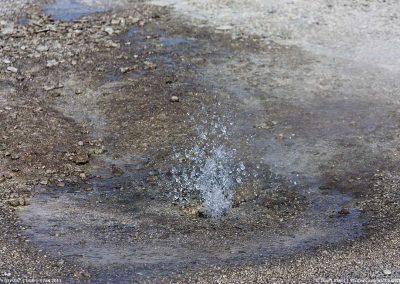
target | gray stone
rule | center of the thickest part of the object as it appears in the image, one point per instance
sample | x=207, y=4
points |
x=12, y=69
x=174, y=99
x=387, y=272
x=52, y=63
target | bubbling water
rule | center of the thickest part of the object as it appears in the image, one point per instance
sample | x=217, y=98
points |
x=208, y=172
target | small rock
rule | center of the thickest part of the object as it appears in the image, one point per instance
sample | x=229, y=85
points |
x=8, y=175
x=15, y=157
x=387, y=272
x=174, y=99
x=81, y=158
x=150, y=65
x=115, y=21
x=125, y=69
x=116, y=171
x=13, y=202
x=53, y=87
x=224, y=28
x=48, y=88
x=133, y=20
x=7, y=29
x=82, y=176
x=344, y=211
x=12, y=69
x=109, y=30
x=82, y=274
x=6, y=61
x=99, y=151
x=80, y=143
x=202, y=213
x=111, y=43
x=51, y=63
x=324, y=187
x=42, y=48
x=56, y=94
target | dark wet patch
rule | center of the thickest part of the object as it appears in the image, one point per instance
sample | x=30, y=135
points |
x=23, y=21
x=70, y=10
x=125, y=224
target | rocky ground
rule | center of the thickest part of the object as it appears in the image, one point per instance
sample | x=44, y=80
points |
x=93, y=108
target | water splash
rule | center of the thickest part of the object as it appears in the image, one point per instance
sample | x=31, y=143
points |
x=209, y=172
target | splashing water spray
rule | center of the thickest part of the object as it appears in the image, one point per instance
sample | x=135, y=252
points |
x=207, y=171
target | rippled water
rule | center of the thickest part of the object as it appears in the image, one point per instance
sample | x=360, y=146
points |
x=209, y=171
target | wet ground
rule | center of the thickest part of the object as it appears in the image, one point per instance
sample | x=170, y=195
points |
x=317, y=137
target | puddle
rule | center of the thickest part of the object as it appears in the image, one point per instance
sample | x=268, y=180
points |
x=175, y=41
x=23, y=21
x=70, y=10
x=127, y=222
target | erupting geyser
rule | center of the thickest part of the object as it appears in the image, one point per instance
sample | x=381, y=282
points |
x=207, y=172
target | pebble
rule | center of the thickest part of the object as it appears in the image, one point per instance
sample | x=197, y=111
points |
x=99, y=151
x=51, y=63
x=15, y=202
x=80, y=143
x=81, y=158
x=174, y=99
x=150, y=65
x=12, y=69
x=387, y=272
x=15, y=157
x=50, y=88
x=344, y=211
x=42, y=48
x=109, y=30
x=202, y=213
x=125, y=69
x=115, y=21
x=224, y=28
x=133, y=20
x=7, y=29
x=61, y=184
x=8, y=175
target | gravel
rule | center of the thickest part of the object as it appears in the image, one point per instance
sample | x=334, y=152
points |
x=320, y=50
x=363, y=31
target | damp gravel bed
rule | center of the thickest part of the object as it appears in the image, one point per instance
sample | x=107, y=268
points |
x=95, y=111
